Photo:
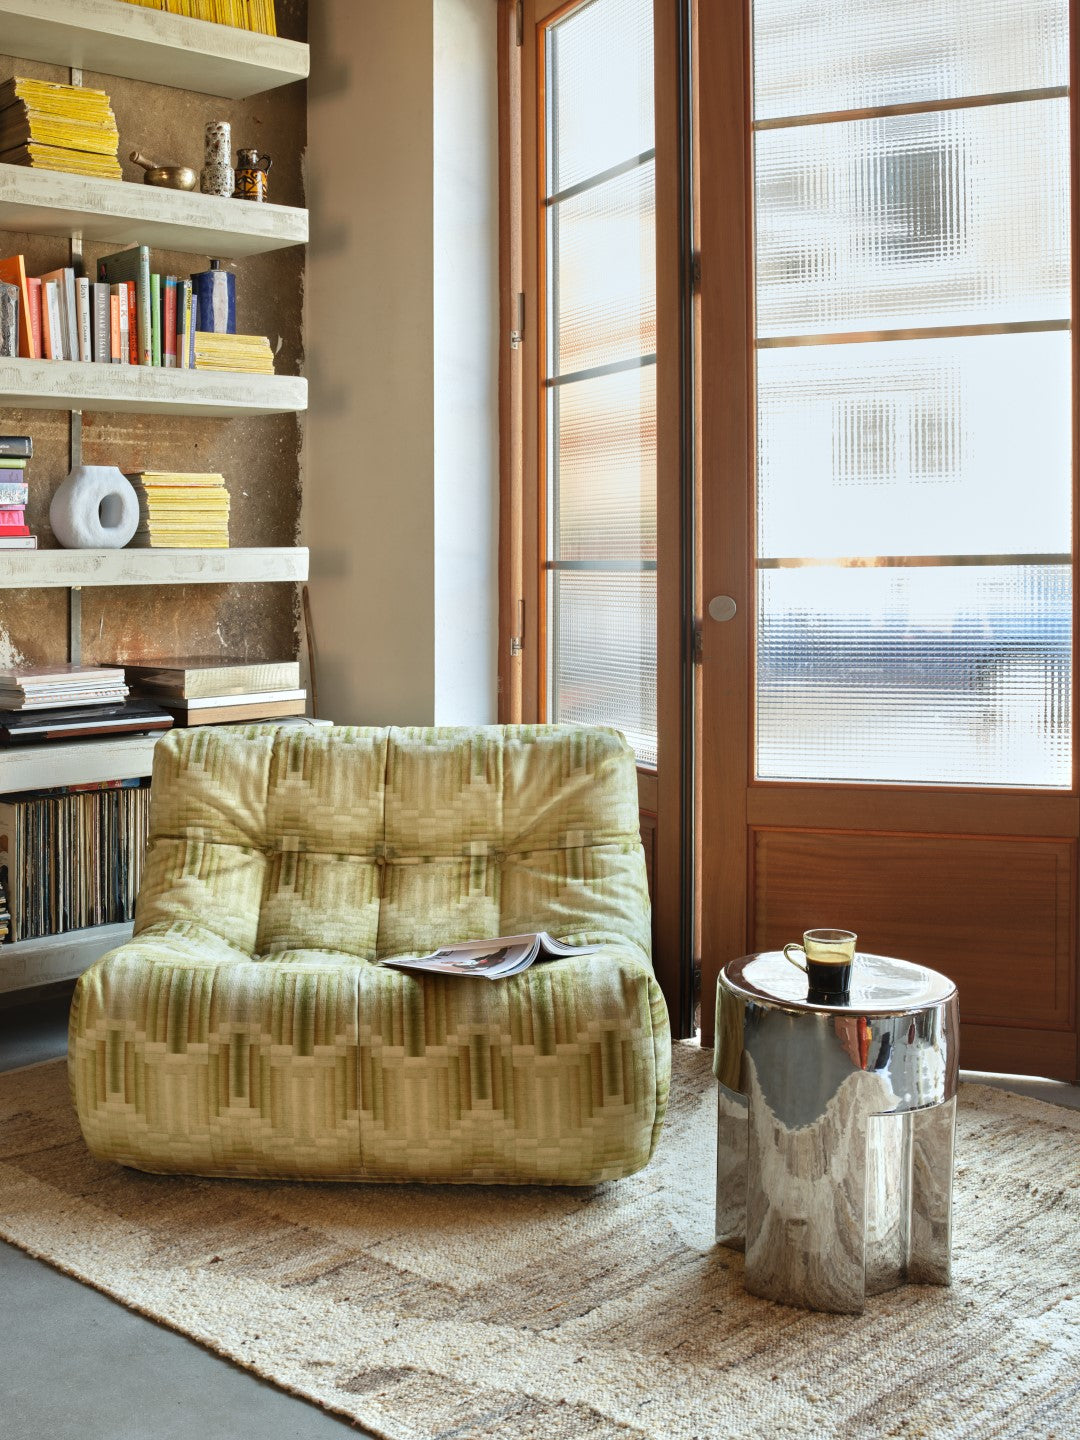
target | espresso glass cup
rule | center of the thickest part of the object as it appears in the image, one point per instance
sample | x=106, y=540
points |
x=829, y=955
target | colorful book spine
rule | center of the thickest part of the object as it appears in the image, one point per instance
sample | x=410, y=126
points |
x=82, y=300
x=155, y=319
x=70, y=310
x=133, y=323
x=52, y=331
x=142, y=299
x=16, y=447
x=102, y=324
x=183, y=323
x=168, y=325
x=194, y=327
x=13, y=493
x=11, y=463
x=114, y=324
x=33, y=305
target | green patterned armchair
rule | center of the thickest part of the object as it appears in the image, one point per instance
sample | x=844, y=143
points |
x=246, y=1030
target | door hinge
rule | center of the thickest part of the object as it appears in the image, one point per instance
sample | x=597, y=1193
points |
x=517, y=642
x=697, y=641
x=695, y=272
x=519, y=20
x=517, y=335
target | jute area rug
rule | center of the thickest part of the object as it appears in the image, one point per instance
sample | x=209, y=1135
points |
x=527, y=1314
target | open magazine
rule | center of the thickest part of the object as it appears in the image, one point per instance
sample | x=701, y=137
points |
x=493, y=959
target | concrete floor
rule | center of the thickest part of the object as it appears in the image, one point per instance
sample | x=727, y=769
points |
x=75, y=1365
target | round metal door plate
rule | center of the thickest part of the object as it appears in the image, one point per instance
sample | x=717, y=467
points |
x=722, y=607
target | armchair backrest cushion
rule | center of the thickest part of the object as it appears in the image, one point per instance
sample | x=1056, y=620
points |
x=378, y=842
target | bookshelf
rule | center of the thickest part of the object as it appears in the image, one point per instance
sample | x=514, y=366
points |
x=48, y=202
x=28, y=963
x=120, y=39
x=76, y=762
x=81, y=385
x=114, y=38
x=41, y=569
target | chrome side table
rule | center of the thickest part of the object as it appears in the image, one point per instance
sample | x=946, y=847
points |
x=835, y=1129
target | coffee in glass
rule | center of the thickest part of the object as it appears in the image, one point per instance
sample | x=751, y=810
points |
x=829, y=955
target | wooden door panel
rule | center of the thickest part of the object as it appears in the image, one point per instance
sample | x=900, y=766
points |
x=996, y=915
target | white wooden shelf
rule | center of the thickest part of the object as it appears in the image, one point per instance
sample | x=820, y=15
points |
x=76, y=762
x=48, y=202
x=80, y=385
x=40, y=569
x=115, y=38
x=56, y=957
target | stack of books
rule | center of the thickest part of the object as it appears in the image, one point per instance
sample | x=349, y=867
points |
x=217, y=692
x=71, y=858
x=243, y=14
x=46, y=687
x=58, y=127
x=179, y=510
x=5, y=914
x=15, y=452
x=249, y=354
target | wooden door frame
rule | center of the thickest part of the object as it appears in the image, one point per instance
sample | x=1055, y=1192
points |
x=726, y=330
x=664, y=794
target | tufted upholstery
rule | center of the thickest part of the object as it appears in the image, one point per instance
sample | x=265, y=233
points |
x=246, y=1029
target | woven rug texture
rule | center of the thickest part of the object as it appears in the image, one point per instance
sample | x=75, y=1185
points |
x=498, y=1313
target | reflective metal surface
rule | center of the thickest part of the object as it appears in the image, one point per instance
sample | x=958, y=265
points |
x=835, y=1130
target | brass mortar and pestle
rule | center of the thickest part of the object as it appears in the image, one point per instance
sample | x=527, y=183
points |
x=167, y=177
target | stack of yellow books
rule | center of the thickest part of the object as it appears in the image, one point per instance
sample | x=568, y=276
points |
x=179, y=510
x=243, y=14
x=250, y=354
x=58, y=127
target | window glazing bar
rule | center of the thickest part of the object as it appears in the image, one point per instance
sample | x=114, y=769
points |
x=621, y=567
x=636, y=362
x=914, y=107
x=916, y=332
x=882, y=562
x=602, y=177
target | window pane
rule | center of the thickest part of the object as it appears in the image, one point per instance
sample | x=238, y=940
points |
x=604, y=670
x=955, y=676
x=600, y=83
x=606, y=435
x=602, y=258
x=817, y=56
x=600, y=303
x=950, y=218
x=916, y=447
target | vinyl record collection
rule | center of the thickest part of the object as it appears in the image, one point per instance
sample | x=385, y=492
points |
x=72, y=858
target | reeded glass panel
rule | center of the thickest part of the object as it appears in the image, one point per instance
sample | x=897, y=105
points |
x=605, y=430
x=600, y=83
x=605, y=653
x=600, y=302
x=907, y=630
x=602, y=254
x=956, y=675
x=949, y=218
x=816, y=56
x=915, y=447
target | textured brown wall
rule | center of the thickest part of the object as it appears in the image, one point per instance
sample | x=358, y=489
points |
x=259, y=457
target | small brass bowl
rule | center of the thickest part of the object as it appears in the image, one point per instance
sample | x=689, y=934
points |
x=172, y=177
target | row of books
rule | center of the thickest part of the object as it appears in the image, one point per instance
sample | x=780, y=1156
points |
x=72, y=857
x=191, y=692
x=255, y=15
x=111, y=320
x=58, y=127
x=16, y=452
x=181, y=510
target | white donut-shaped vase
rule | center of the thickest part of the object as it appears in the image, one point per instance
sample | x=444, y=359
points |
x=96, y=508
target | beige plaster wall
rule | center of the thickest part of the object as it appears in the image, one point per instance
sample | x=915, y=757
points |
x=403, y=598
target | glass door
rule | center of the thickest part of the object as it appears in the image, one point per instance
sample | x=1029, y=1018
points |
x=906, y=603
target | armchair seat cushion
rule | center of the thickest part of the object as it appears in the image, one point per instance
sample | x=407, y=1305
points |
x=248, y=1028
